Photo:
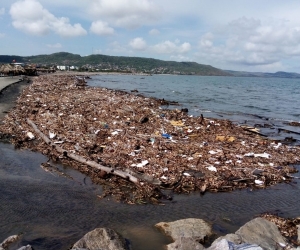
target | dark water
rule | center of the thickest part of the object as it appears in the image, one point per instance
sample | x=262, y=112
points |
x=54, y=212
x=251, y=100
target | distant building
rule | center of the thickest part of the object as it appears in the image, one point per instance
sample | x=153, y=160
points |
x=61, y=67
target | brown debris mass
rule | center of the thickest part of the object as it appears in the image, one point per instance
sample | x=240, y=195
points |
x=163, y=149
x=287, y=226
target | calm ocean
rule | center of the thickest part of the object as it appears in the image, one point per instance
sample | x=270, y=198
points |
x=268, y=103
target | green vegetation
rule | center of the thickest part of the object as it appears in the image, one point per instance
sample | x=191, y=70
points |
x=118, y=63
x=104, y=63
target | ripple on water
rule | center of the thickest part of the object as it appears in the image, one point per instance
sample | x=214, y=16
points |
x=54, y=212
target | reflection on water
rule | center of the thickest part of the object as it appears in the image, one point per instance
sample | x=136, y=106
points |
x=54, y=212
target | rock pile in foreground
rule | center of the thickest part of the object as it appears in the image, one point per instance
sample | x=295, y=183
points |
x=257, y=234
x=138, y=149
x=191, y=234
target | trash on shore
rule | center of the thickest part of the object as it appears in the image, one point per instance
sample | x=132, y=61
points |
x=288, y=227
x=138, y=149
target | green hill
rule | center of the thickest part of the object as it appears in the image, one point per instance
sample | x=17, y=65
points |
x=120, y=63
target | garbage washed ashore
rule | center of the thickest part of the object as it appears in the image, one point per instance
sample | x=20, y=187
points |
x=137, y=149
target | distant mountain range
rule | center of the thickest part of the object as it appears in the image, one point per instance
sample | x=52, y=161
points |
x=279, y=74
x=135, y=64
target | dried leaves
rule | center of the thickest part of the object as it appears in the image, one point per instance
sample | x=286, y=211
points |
x=167, y=149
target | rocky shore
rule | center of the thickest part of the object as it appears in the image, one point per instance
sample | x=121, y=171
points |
x=191, y=234
x=138, y=150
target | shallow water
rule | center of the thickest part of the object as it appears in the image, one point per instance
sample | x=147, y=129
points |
x=54, y=212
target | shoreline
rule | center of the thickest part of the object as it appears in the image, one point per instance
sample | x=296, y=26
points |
x=168, y=217
x=165, y=149
x=10, y=90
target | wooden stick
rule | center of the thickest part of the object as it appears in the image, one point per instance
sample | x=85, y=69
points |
x=82, y=159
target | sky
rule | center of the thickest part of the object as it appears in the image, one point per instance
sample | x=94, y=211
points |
x=243, y=35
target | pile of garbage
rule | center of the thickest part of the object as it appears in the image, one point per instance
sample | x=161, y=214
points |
x=139, y=149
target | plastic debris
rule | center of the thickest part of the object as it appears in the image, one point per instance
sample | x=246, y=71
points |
x=118, y=130
x=212, y=168
x=177, y=123
x=263, y=155
x=167, y=136
x=142, y=164
x=259, y=182
x=225, y=138
x=30, y=135
x=51, y=135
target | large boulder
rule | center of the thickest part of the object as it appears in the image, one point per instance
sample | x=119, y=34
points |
x=236, y=239
x=186, y=233
x=9, y=241
x=261, y=232
x=185, y=244
x=101, y=239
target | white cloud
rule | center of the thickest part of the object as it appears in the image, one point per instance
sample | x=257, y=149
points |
x=180, y=58
x=54, y=46
x=168, y=47
x=101, y=28
x=251, y=42
x=206, y=40
x=138, y=44
x=125, y=13
x=154, y=32
x=31, y=17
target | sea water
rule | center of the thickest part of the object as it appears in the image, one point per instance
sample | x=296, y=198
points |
x=270, y=103
x=53, y=212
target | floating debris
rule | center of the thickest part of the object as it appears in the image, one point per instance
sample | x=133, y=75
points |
x=288, y=227
x=136, y=148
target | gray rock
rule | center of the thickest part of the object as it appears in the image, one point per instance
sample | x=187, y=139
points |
x=261, y=232
x=185, y=244
x=28, y=247
x=186, y=233
x=227, y=245
x=236, y=239
x=101, y=239
x=195, y=229
x=10, y=240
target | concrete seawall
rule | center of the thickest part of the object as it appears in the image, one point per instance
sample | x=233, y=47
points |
x=6, y=81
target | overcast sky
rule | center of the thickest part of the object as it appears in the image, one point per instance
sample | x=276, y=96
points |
x=249, y=35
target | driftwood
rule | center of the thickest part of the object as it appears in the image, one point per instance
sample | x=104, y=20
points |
x=82, y=159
